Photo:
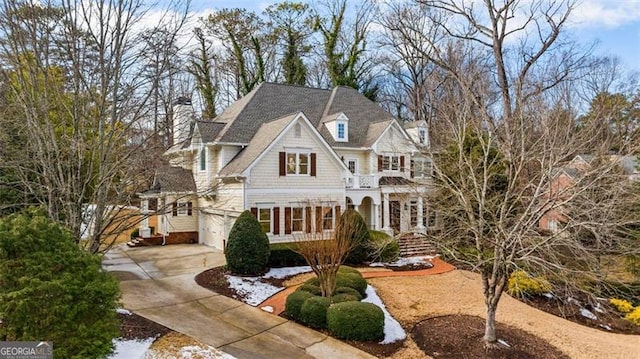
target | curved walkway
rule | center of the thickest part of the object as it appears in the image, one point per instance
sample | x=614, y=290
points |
x=158, y=283
x=277, y=301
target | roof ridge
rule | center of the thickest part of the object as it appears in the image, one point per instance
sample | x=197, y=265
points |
x=229, y=123
x=325, y=112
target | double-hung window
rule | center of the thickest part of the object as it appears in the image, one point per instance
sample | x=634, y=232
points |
x=297, y=163
x=264, y=217
x=297, y=219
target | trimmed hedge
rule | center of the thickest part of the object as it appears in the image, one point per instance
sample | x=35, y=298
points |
x=294, y=303
x=347, y=269
x=356, y=321
x=313, y=289
x=349, y=277
x=314, y=312
x=344, y=297
x=247, y=251
x=347, y=290
x=284, y=255
x=352, y=280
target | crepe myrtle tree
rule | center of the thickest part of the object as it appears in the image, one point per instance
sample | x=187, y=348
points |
x=325, y=251
x=510, y=133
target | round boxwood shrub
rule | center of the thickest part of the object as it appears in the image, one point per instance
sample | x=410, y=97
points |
x=247, y=251
x=294, y=303
x=356, y=321
x=352, y=280
x=353, y=223
x=347, y=269
x=313, y=281
x=313, y=289
x=314, y=312
x=347, y=290
x=343, y=297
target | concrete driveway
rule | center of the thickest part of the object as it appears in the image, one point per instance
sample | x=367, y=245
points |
x=158, y=283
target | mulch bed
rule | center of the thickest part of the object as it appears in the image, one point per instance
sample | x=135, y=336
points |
x=460, y=336
x=609, y=321
x=133, y=326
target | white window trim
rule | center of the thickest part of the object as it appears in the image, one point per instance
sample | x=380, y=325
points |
x=356, y=169
x=203, y=151
x=389, y=167
x=423, y=172
x=270, y=217
x=182, y=209
x=345, y=137
x=297, y=163
x=302, y=226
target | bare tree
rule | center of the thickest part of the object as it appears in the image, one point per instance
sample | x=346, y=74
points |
x=508, y=143
x=325, y=251
x=75, y=96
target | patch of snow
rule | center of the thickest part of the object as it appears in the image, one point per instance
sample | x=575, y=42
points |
x=504, y=343
x=252, y=289
x=587, y=314
x=195, y=351
x=130, y=349
x=267, y=308
x=123, y=311
x=409, y=261
x=606, y=327
x=548, y=295
x=281, y=273
x=598, y=308
x=393, y=331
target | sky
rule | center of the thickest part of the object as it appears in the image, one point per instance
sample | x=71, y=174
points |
x=613, y=24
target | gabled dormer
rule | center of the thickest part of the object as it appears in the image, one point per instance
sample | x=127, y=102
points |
x=338, y=127
x=418, y=131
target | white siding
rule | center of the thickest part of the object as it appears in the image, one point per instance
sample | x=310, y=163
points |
x=181, y=223
x=362, y=156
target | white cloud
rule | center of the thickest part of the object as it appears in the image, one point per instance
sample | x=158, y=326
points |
x=607, y=13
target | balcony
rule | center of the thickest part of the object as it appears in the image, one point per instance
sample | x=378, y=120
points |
x=363, y=181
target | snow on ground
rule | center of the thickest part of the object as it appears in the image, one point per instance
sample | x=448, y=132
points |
x=130, y=349
x=281, y=273
x=123, y=311
x=253, y=290
x=402, y=262
x=393, y=331
x=587, y=314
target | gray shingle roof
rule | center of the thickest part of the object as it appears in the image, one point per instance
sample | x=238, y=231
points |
x=269, y=101
x=268, y=132
x=173, y=179
x=394, y=181
x=210, y=130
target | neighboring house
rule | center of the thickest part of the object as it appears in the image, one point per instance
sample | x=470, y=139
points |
x=567, y=177
x=296, y=157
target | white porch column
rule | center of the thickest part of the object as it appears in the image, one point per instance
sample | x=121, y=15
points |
x=385, y=219
x=420, y=226
x=144, y=204
x=376, y=217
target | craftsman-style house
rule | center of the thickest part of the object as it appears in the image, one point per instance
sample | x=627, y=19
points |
x=296, y=157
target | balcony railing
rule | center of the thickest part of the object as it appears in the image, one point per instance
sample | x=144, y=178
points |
x=363, y=181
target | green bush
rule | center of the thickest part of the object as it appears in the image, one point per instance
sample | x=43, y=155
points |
x=347, y=290
x=294, y=303
x=523, y=285
x=346, y=278
x=352, y=280
x=360, y=239
x=284, y=255
x=621, y=305
x=135, y=233
x=313, y=289
x=247, y=251
x=343, y=297
x=314, y=312
x=347, y=269
x=51, y=289
x=356, y=321
x=384, y=248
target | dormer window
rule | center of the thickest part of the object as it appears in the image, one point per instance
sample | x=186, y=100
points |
x=422, y=135
x=338, y=126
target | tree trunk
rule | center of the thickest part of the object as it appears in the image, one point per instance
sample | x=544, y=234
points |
x=490, y=326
